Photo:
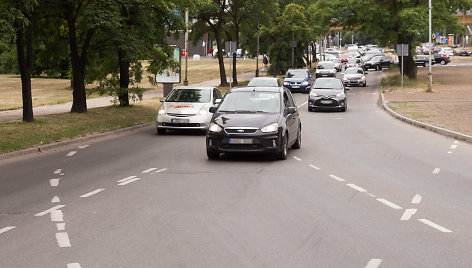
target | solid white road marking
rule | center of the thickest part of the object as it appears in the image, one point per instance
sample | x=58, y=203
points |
x=58, y=171
x=57, y=215
x=454, y=146
x=336, y=178
x=388, y=203
x=435, y=226
x=73, y=265
x=302, y=104
x=436, y=170
x=416, y=199
x=161, y=170
x=148, y=170
x=371, y=195
x=355, y=187
x=297, y=158
x=125, y=179
x=55, y=199
x=61, y=226
x=408, y=213
x=6, y=229
x=63, y=240
x=92, y=192
x=128, y=181
x=49, y=210
x=315, y=167
x=71, y=153
x=84, y=146
x=54, y=182
x=374, y=263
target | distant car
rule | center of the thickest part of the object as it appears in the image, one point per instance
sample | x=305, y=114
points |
x=325, y=69
x=332, y=50
x=355, y=62
x=254, y=120
x=441, y=59
x=265, y=82
x=187, y=108
x=378, y=63
x=328, y=94
x=337, y=65
x=447, y=51
x=421, y=60
x=354, y=76
x=298, y=80
x=343, y=58
x=464, y=52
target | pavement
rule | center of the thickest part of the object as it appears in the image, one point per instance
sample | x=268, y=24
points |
x=108, y=101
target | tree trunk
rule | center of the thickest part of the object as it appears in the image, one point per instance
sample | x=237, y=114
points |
x=224, y=82
x=25, y=67
x=79, y=102
x=123, y=95
x=235, y=75
x=409, y=66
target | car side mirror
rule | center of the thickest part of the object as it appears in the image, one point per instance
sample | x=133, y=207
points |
x=162, y=99
x=217, y=101
x=212, y=110
x=291, y=110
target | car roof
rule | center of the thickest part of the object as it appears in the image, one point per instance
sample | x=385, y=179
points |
x=257, y=89
x=194, y=87
x=265, y=78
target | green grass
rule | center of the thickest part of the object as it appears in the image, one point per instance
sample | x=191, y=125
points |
x=393, y=81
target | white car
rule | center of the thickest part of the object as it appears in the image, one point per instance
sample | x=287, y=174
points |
x=446, y=51
x=325, y=68
x=187, y=107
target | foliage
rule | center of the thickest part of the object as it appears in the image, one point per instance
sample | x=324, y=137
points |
x=9, y=62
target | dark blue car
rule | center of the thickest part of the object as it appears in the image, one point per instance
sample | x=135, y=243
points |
x=298, y=80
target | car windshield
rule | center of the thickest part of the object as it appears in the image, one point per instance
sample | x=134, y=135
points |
x=376, y=58
x=353, y=71
x=263, y=83
x=189, y=95
x=325, y=65
x=251, y=102
x=324, y=83
x=297, y=74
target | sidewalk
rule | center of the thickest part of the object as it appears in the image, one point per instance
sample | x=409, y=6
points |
x=107, y=101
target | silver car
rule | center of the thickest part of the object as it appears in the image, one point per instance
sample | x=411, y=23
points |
x=187, y=108
x=354, y=76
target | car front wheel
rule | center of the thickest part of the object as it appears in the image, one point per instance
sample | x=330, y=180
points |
x=298, y=142
x=213, y=154
x=161, y=131
x=282, y=154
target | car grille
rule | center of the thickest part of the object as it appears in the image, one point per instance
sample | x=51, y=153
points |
x=241, y=146
x=333, y=103
x=180, y=115
x=181, y=124
x=238, y=130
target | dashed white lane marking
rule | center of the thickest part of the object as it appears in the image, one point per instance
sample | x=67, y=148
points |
x=84, y=146
x=297, y=158
x=125, y=179
x=436, y=170
x=339, y=118
x=57, y=215
x=371, y=195
x=128, y=181
x=58, y=171
x=416, y=199
x=161, y=170
x=54, y=182
x=355, y=187
x=6, y=229
x=336, y=178
x=454, y=146
x=388, y=203
x=49, y=210
x=61, y=226
x=302, y=104
x=71, y=153
x=435, y=226
x=315, y=167
x=63, y=240
x=449, y=152
x=408, y=213
x=73, y=265
x=374, y=263
x=55, y=199
x=92, y=192
x=148, y=170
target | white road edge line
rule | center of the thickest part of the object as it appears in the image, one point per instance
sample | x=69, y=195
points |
x=161, y=170
x=148, y=170
x=58, y=171
x=436, y=170
x=57, y=216
x=6, y=229
x=357, y=188
x=374, y=263
x=54, y=182
x=61, y=226
x=84, y=146
x=315, y=167
x=71, y=153
x=125, y=179
x=371, y=195
x=63, y=240
x=416, y=199
x=128, y=181
x=336, y=178
x=49, y=210
x=74, y=265
x=92, y=192
x=388, y=203
x=408, y=213
x=435, y=226
x=302, y=104
x=297, y=158
x=55, y=199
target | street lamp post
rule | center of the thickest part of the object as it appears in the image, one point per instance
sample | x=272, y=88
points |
x=430, y=70
x=186, y=47
x=257, y=53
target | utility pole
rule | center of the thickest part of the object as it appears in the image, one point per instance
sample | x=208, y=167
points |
x=293, y=50
x=430, y=70
x=186, y=47
x=257, y=58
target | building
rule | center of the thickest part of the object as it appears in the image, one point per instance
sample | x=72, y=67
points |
x=465, y=19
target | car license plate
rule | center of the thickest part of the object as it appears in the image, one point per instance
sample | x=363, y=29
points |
x=353, y=81
x=179, y=121
x=295, y=86
x=240, y=141
x=326, y=101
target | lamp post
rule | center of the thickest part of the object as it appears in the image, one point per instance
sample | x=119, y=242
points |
x=186, y=47
x=257, y=56
x=430, y=70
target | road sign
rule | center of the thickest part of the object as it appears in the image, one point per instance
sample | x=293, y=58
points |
x=230, y=48
x=402, y=50
x=293, y=43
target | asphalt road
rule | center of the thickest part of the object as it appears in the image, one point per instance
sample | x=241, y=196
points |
x=365, y=190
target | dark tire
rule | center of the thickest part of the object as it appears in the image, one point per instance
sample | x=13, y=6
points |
x=310, y=109
x=282, y=155
x=213, y=154
x=443, y=62
x=344, y=108
x=161, y=131
x=377, y=67
x=365, y=84
x=298, y=142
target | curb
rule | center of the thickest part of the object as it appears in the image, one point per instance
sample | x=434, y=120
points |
x=57, y=145
x=442, y=131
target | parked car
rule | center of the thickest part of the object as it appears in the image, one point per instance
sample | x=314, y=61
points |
x=265, y=82
x=187, y=107
x=354, y=76
x=446, y=51
x=421, y=60
x=325, y=68
x=298, y=80
x=441, y=59
x=328, y=94
x=464, y=52
x=254, y=120
x=378, y=63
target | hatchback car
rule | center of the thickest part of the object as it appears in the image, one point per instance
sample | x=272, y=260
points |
x=378, y=63
x=354, y=76
x=464, y=52
x=265, y=82
x=254, y=120
x=187, y=108
x=328, y=94
x=298, y=80
x=325, y=68
x=423, y=60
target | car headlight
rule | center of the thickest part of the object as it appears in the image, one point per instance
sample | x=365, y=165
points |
x=286, y=83
x=214, y=128
x=162, y=110
x=363, y=77
x=345, y=78
x=203, y=111
x=305, y=83
x=270, y=128
x=313, y=95
x=340, y=95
